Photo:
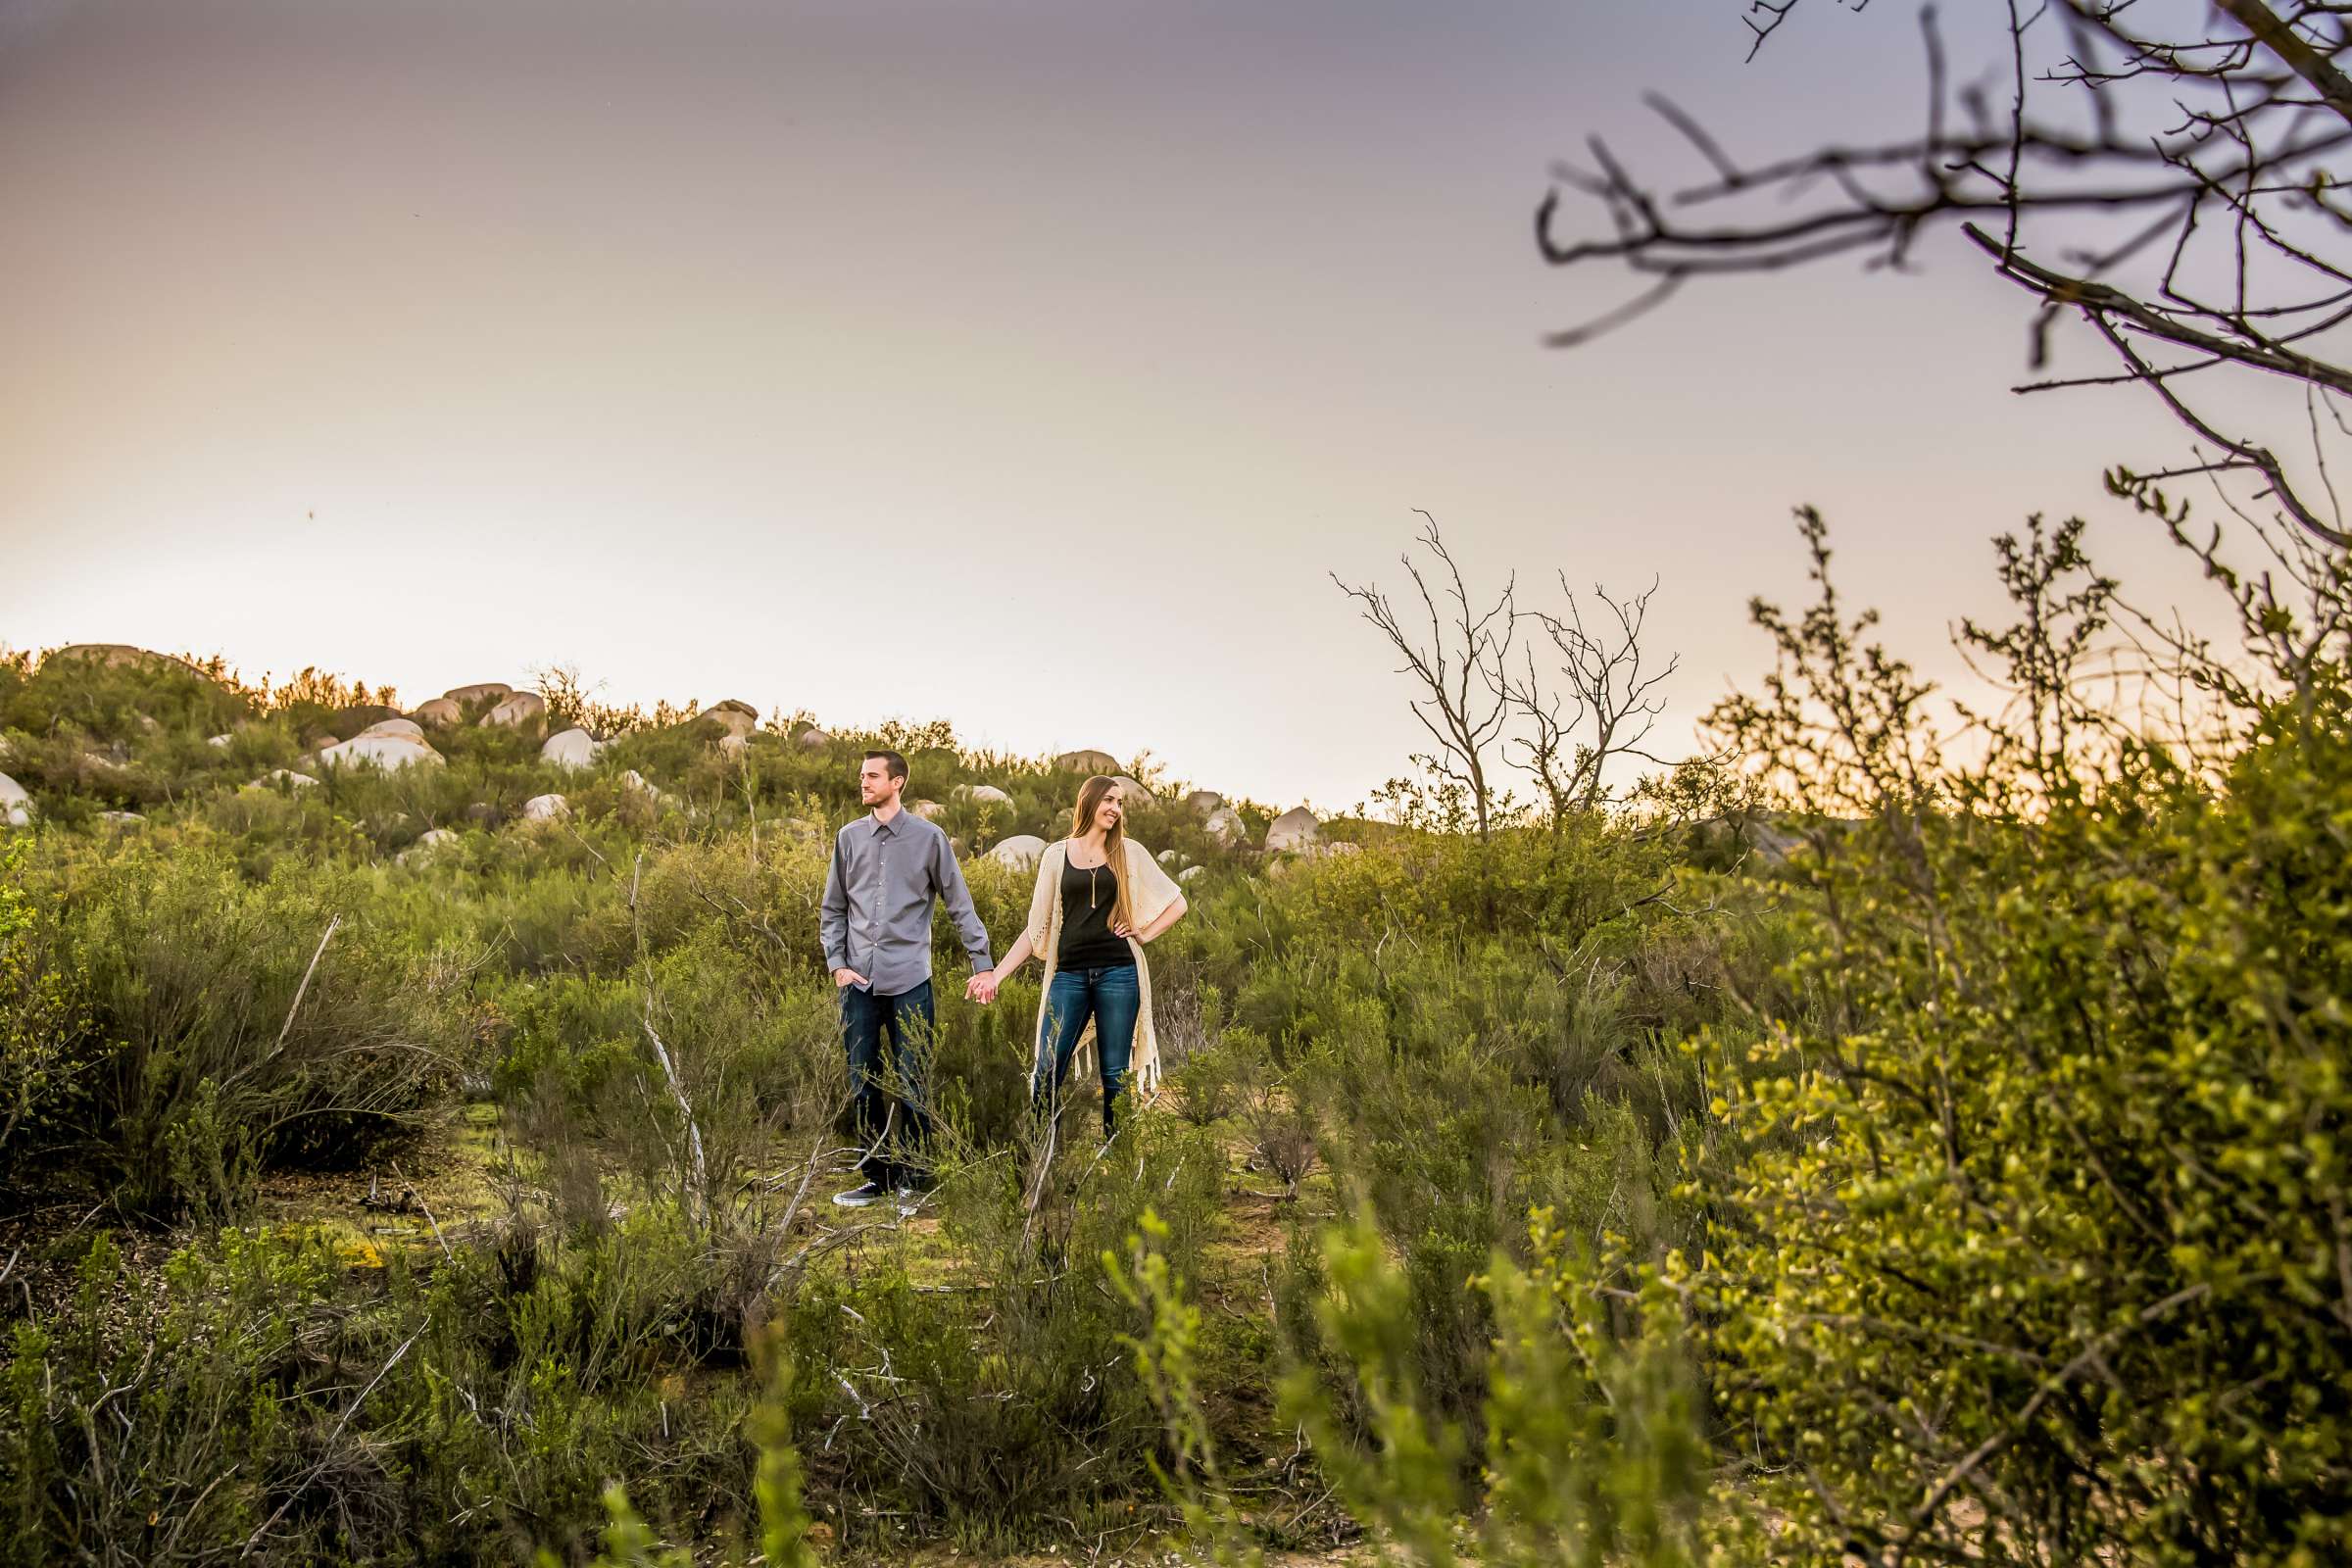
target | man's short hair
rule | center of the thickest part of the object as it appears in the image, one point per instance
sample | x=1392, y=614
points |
x=892, y=762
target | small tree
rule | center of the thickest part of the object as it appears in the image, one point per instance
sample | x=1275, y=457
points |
x=1564, y=725
x=1607, y=708
x=1460, y=669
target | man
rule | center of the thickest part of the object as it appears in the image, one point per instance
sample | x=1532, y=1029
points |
x=888, y=868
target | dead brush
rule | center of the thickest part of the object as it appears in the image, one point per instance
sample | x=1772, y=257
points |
x=1282, y=1126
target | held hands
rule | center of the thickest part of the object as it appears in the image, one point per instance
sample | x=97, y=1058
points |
x=982, y=987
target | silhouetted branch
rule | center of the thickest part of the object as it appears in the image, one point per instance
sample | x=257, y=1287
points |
x=2218, y=143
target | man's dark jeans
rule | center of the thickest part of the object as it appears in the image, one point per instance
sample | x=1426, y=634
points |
x=877, y=1082
x=1112, y=998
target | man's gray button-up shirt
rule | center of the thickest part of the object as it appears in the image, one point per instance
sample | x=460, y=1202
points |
x=877, y=913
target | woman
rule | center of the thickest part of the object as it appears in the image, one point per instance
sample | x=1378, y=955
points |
x=1100, y=898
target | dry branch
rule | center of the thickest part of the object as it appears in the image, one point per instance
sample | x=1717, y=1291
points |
x=2219, y=144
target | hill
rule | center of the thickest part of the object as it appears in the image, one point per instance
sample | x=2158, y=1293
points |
x=419, y=1129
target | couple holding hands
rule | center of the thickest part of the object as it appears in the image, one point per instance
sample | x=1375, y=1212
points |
x=1100, y=897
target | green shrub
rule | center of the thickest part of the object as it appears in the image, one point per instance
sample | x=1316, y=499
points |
x=123, y=699
x=282, y=1399
x=1444, y=1119
x=44, y=1041
x=1001, y=1398
x=1210, y=1081
x=145, y=1430
x=222, y=1029
x=1592, y=1427
x=2031, y=1245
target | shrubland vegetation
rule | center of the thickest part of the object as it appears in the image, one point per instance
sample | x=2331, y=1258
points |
x=1905, y=1135
x=1908, y=1134
x=1960, y=1177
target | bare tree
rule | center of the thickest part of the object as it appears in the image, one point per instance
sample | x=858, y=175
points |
x=2173, y=180
x=1562, y=714
x=1607, y=704
x=1460, y=667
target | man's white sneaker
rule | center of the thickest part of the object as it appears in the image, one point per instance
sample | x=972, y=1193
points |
x=865, y=1196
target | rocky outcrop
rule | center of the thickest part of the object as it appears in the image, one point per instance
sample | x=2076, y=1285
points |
x=440, y=713
x=348, y=723
x=1770, y=838
x=198, y=695
x=1133, y=793
x=16, y=804
x=282, y=776
x=982, y=795
x=1773, y=842
x=1190, y=873
x=730, y=717
x=813, y=739
x=634, y=780
x=428, y=843
x=1226, y=826
x=1295, y=829
x=522, y=710
x=386, y=751
x=546, y=808
x=1202, y=802
x=1087, y=763
x=571, y=749
x=1020, y=852
x=407, y=730
x=486, y=691
x=928, y=810
x=117, y=656
x=735, y=746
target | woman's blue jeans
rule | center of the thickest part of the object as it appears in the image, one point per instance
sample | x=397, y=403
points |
x=1112, y=998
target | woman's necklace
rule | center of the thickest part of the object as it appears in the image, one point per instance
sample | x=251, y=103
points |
x=1090, y=871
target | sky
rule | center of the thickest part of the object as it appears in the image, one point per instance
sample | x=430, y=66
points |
x=1028, y=364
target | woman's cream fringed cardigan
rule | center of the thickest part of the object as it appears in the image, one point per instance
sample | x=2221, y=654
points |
x=1150, y=891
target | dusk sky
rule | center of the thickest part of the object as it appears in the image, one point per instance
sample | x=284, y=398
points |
x=1024, y=363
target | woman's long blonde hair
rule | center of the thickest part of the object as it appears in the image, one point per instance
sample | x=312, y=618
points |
x=1115, y=841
